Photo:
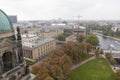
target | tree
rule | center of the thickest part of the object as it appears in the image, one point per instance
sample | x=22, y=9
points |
x=73, y=50
x=40, y=71
x=66, y=34
x=89, y=47
x=76, y=51
x=112, y=61
x=101, y=51
x=110, y=58
x=55, y=66
x=83, y=48
x=117, y=76
x=56, y=72
x=106, y=29
x=111, y=33
x=80, y=38
x=108, y=55
x=43, y=76
x=49, y=78
x=92, y=39
x=97, y=53
x=58, y=63
x=61, y=37
x=40, y=68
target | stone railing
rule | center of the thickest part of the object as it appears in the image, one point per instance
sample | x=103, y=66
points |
x=11, y=71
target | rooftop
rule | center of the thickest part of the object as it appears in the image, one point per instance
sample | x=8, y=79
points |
x=35, y=41
x=28, y=35
x=79, y=27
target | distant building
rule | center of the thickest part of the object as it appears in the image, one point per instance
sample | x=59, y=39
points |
x=44, y=32
x=35, y=47
x=52, y=33
x=97, y=31
x=71, y=38
x=77, y=30
x=115, y=29
x=58, y=24
x=31, y=30
x=13, y=19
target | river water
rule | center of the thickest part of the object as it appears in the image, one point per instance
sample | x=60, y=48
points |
x=106, y=43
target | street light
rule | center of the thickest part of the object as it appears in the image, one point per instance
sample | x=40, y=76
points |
x=110, y=48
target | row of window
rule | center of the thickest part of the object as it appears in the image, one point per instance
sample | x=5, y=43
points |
x=46, y=48
x=42, y=50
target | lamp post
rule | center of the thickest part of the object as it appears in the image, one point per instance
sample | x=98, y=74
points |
x=110, y=49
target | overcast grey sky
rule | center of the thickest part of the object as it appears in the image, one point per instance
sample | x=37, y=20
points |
x=66, y=9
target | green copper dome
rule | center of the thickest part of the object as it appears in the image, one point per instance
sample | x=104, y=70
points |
x=5, y=24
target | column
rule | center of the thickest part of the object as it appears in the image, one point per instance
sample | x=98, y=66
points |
x=1, y=65
x=16, y=56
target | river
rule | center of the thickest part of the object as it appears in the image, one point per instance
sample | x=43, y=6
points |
x=106, y=42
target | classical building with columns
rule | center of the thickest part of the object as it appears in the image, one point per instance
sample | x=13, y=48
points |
x=11, y=57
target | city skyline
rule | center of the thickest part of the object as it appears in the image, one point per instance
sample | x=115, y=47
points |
x=65, y=9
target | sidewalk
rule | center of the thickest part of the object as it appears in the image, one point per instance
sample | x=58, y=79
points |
x=81, y=63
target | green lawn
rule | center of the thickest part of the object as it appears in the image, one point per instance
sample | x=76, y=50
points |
x=97, y=69
x=29, y=62
x=86, y=57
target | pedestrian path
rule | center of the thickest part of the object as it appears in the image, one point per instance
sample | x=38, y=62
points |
x=81, y=63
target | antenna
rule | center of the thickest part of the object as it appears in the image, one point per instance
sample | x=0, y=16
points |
x=79, y=20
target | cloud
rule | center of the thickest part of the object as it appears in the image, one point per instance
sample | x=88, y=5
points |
x=49, y=9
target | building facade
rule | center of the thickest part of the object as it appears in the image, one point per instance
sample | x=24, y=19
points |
x=71, y=38
x=35, y=47
x=52, y=33
x=11, y=57
x=77, y=30
x=45, y=32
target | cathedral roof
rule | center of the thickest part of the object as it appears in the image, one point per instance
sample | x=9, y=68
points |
x=5, y=24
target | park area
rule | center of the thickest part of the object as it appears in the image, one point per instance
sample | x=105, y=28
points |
x=97, y=69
